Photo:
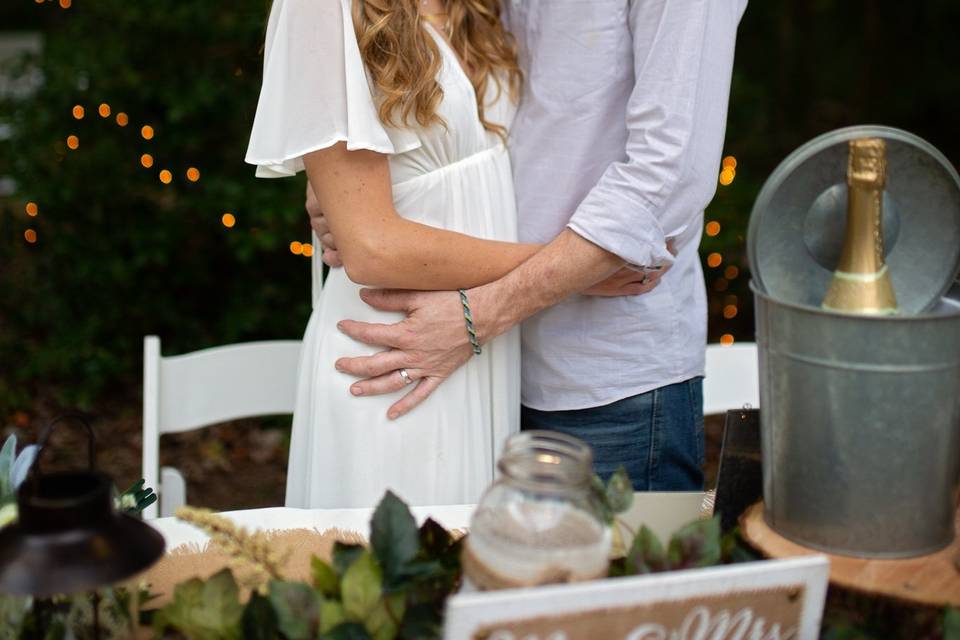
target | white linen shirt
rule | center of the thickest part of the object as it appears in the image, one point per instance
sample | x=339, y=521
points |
x=619, y=137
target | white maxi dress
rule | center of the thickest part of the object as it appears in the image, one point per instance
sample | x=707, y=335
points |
x=343, y=450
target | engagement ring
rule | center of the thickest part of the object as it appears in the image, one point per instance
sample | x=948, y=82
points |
x=406, y=376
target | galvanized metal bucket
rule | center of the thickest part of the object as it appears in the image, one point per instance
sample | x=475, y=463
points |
x=860, y=427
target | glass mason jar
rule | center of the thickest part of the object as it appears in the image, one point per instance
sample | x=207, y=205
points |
x=538, y=523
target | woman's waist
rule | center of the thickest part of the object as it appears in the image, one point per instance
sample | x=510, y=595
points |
x=419, y=165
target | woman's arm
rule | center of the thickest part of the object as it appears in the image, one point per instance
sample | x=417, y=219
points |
x=379, y=248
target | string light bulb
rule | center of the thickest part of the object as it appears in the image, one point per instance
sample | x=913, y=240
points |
x=73, y=142
x=30, y=236
x=166, y=177
x=146, y=160
x=730, y=311
x=307, y=249
x=296, y=248
x=731, y=272
x=147, y=132
x=104, y=110
x=66, y=4
x=32, y=209
x=713, y=228
x=122, y=119
x=727, y=176
x=228, y=220
x=193, y=174
x=726, y=339
x=78, y=112
x=714, y=260
x=729, y=163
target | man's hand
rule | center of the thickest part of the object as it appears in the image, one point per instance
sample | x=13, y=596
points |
x=322, y=230
x=431, y=343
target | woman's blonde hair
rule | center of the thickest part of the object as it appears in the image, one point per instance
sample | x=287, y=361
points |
x=403, y=59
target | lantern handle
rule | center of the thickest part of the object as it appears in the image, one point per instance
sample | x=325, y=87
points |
x=48, y=430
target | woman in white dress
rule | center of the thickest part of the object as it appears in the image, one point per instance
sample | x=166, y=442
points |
x=378, y=101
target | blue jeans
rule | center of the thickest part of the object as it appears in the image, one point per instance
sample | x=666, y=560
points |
x=657, y=436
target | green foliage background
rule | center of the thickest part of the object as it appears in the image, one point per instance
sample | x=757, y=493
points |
x=121, y=255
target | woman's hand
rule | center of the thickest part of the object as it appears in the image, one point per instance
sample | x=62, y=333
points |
x=627, y=282
x=322, y=230
x=631, y=282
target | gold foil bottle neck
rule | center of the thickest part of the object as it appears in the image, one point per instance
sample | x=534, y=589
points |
x=861, y=282
x=867, y=163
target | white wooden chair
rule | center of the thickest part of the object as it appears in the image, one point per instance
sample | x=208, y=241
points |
x=205, y=387
x=732, y=379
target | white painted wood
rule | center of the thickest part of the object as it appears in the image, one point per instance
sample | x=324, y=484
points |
x=206, y=387
x=151, y=419
x=468, y=612
x=174, y=491
x=732, y=378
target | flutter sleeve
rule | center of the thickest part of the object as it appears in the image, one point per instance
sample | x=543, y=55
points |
x=315, y=90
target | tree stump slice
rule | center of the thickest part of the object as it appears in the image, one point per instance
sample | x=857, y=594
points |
x=932, y=580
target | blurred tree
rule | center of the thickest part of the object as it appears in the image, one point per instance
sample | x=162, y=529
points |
x=118, y=252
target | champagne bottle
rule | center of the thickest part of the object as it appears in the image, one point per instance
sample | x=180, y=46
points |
x=861, y=282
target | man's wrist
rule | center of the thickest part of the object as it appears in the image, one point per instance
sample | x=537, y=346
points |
x=491, y=316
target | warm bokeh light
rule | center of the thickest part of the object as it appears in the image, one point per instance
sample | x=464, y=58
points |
x=73, y=142
x=30, y=236
x=78, y=112
x=193, y=174
x=32, y=209
x=714, y=260
x=729, y=162
x=166, y=177
x=146, y=160
x=731, y=272
x=721, y=284
x=122, y=119
x=228, y=220
x=712, y=228
x=726, y=339
x=730, y=311
x=296, y=248
x=104, y=110
x=147, y=132
x=66, y=4
x=726, y=176
x=307, y=249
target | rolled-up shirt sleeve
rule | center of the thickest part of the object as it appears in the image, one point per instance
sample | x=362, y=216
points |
x=676, y=121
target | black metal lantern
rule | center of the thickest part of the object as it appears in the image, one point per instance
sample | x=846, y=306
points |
x=70, y=537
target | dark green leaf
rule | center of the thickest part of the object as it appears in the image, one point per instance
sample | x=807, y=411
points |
x=393, y=535
x=695, y=545
x=360, y=587
x=951, y=624
x=434, y=539
x=345, y=555
x=347, y=631
x=423, y=622
x=646, y=554
x=598, y=492
x=325, y=579
x=619, y=491
x=259, y=619
x=297, y=607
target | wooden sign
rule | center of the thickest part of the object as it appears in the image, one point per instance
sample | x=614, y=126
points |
x=769, y=600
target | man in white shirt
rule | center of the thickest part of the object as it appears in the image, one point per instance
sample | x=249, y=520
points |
x=616, y=149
